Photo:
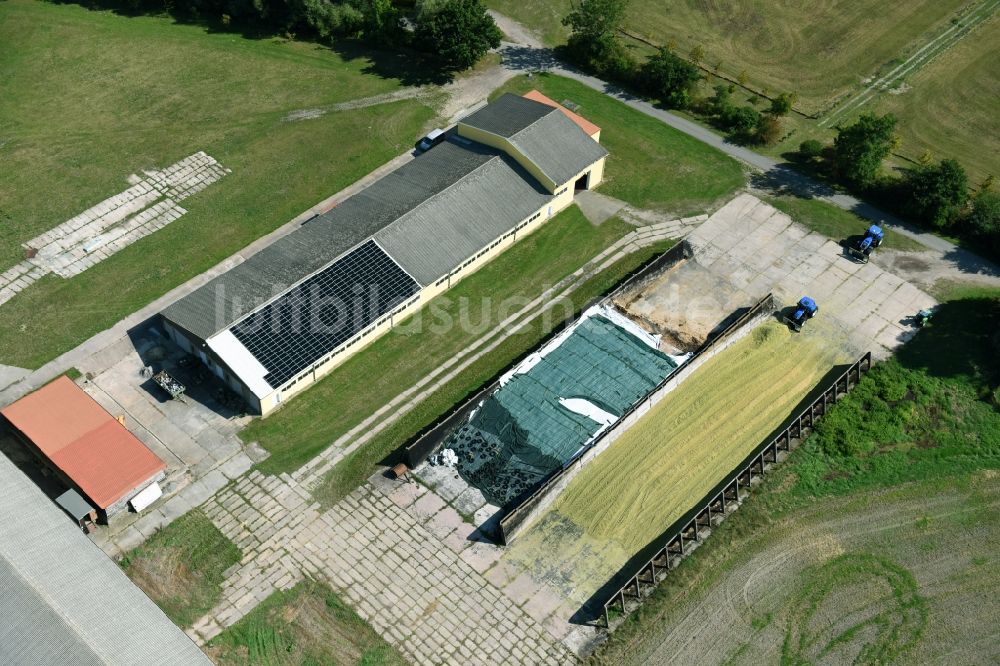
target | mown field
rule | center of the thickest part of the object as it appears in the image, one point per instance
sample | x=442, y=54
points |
x=828, y=55
x=820, y=52
x=949, y=106
x=305, y=625
x=90, y=97
x=876, y=542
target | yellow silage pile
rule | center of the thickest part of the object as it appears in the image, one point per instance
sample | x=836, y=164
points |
x=697, y=434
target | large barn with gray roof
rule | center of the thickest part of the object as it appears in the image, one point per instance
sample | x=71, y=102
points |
x=64, y=601
x=290, y=313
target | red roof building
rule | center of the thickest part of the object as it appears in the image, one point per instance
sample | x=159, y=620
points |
x=592, y=130
x=96, y=453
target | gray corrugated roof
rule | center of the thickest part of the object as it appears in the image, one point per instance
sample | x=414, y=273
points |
x=542, y=133
x=65, y=602
x=436, y=237
x=226, y=298
x=557, y=146
x=508, y=115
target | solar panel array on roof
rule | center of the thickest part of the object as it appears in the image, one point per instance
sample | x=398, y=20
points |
x=293, y=332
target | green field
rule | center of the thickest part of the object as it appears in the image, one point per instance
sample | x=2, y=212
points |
x=651, y=165
x=180, y=567
x=884, y=522
x=308, y=624
x=90, y=97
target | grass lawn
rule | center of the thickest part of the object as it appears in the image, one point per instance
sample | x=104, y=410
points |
x=836, y=223
x=355, y=468
x=180, y=567
x=90, y=97
x=651, y=165
x=917, y=442
x=396, y=361
x=307, y=624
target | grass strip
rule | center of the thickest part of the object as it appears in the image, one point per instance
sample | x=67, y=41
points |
x=837, y=223
x=181, y=566
x=307, y=624
x=352, y=471
x=420, y=344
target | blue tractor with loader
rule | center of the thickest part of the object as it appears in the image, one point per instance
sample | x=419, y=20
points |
x=804, y=310
x=862, y=249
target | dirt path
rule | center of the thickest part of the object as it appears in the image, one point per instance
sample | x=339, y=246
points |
x=746, y=616
x=516, y=33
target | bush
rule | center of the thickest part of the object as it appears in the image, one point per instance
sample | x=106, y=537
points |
x=811, y=149
x=983, y=220
x=741, y=121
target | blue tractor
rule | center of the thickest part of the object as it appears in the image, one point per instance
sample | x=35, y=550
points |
x=863, y=248
x=804, y=310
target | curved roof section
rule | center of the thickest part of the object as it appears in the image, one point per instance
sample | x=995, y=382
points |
x=546, y=137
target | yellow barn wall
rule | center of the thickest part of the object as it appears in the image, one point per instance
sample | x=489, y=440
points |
x=503, y=144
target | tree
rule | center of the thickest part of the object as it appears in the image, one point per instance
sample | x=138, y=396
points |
x=459, y=32
x=593, y=25
x=768, y=129
x=381, y=21
x=669, y=78
x=860, y=148
x=938, y=193
x=782, y=105
x=697, y=54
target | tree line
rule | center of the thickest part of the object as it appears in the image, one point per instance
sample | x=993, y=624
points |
x=937, y=195
x=454, y=33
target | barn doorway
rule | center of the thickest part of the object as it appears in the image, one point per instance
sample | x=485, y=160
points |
x=582, y=183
